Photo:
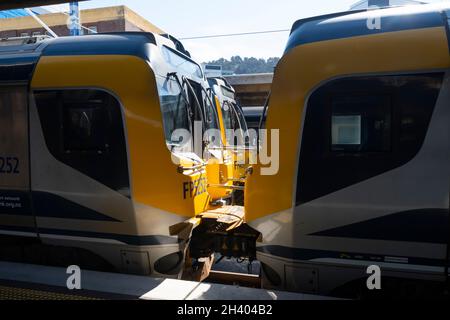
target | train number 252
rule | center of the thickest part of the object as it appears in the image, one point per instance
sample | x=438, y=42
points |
x=9, y=165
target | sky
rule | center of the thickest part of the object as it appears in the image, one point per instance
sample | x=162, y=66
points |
x=193, y=18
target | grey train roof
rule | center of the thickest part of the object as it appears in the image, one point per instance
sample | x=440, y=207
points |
x=354, y=23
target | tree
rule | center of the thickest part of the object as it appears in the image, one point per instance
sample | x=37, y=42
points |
x=239, y=65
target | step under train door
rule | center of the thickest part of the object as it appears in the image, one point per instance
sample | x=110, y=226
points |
x=16, y=215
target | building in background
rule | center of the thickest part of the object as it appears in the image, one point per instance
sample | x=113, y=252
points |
x=252, y=90
x=15, y=13
x=17, y=23
x=365, y=4
x=212, y=70
x=215, y=70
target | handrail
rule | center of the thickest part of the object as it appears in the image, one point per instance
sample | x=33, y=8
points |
x=225, y=186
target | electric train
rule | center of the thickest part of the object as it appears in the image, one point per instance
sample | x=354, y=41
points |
x=105, y=156
x=240, y=141
x=95, y=170
x=364, y=148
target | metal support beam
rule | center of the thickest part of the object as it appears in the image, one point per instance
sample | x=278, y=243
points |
x=74, y=18
x=42, y=23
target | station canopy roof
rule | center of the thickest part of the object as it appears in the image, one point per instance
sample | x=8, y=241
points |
x=13, y=13
x=18, y=4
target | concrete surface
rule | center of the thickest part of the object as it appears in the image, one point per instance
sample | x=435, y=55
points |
x=139, y=287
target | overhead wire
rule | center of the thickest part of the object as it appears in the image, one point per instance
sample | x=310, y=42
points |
x=235, y=34
x=61, y=9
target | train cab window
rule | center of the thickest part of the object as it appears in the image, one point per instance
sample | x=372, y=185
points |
x=241, y=118
x=212, y=134
x=211, y=119
x=233, y=131
x=85, y=122
x=181, y=62
x=361, y=124
x=175, y=115
x=357, y=128
x=227, y=92
x=250, y=135
x=84, y=129
x=227, y=116
x=240, y=128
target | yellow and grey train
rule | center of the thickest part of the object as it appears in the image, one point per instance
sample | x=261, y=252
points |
x=364, y=177
x=238, y=137
x=90, y=171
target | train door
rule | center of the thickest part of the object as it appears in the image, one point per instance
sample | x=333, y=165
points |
x=16, y=216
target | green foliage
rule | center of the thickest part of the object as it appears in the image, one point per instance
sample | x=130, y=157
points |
x=240, y=65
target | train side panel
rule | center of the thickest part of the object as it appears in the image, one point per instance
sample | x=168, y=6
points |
x=16, y=215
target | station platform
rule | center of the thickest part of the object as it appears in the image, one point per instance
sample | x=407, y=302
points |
x=35, y=282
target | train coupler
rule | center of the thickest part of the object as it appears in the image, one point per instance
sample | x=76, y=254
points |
x=224, y=231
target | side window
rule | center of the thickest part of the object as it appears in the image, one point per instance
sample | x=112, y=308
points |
x=241, y=117
x=228, y=122
x=212, y=126
x=361, y=123
x=84, y=129
x=235, y=125
x=212, y=122
x=361, y=127
x=227, y=92
x=250, y=135
x=85, y=122
x=227, y=116
x=175, y=110
x=239, y=128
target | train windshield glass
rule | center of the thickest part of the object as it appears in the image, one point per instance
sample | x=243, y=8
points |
x=181, y=63
x=211, y=121
x=175, y=116
x=241, y=118
x=227, y=116
x=227, y=92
